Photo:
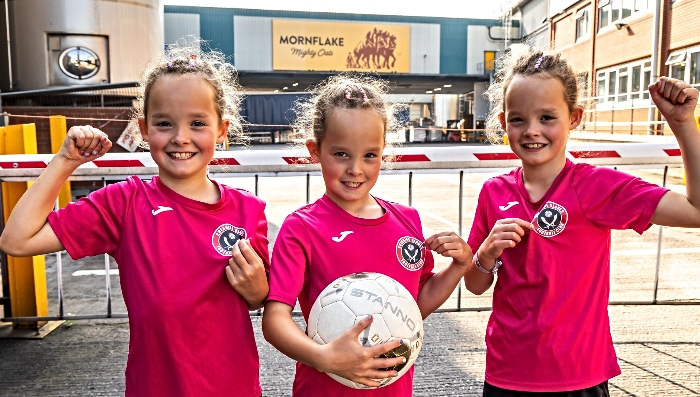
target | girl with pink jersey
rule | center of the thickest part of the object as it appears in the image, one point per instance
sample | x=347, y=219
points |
x=347, y=231
x=545, y=228
x=181, y=240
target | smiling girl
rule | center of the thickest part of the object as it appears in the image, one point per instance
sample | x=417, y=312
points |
x=347, y=231
x=549, y=331
x=176, y=238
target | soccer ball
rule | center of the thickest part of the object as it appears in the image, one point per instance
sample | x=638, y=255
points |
x=351, y=298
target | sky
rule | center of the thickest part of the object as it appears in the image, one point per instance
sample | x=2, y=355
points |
x=433, y=8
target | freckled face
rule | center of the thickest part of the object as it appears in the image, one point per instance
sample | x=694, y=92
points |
x=350, y=154
x=537, y=120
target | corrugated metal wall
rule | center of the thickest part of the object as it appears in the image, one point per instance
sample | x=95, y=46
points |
x=253, y=45
x=179, y=26
x=479, y=42
x=442, y=40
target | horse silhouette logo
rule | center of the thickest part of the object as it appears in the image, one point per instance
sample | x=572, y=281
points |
x=374, y=52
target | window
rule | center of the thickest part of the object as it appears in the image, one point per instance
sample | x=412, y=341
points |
x=624, y=83
x=614, y=10
x=694, y=68
x=685, y=65
x=676, y=57
x=581, y=23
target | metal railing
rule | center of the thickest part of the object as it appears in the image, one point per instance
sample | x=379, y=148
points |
x=421, y=160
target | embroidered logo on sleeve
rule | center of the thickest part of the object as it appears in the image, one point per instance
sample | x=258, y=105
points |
x=550, y=220
x=225, y=237
x=410, y=252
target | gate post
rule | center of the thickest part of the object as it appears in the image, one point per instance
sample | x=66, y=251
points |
x=27, y=275
x=58, y=130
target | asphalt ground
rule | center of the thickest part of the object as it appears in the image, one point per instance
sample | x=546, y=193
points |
x=658, y=346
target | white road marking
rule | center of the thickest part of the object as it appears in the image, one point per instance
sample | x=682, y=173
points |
x=100, y=272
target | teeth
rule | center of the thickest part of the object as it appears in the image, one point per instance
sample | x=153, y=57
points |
x=181, y=156
x=352, y=184
x=534, y=145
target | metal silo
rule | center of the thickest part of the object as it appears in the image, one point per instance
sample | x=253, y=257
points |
x=75, y=42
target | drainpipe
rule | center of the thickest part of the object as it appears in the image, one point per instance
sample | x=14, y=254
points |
x=651, y=117
x=9, y=55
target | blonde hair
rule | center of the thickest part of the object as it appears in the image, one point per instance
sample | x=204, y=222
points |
x=525, y=60
x=195, y=59
x=345, y=91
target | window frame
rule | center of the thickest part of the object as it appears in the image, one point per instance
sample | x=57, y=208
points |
x=582, y=15
x=615, y=86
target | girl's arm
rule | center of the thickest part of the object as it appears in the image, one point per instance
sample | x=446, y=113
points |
x=27, y=231
x=676, y=101
x=246, y=274
x=344, y=356
x=439, y=287
x=506, y=233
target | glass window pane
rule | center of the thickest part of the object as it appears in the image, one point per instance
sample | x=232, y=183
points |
x=612, y=79
x=622, y=88
x=678, y=71
x=647, y=79
x=615, y=13
x=627, y=6
x=600, y=91
x=580, y=27
x=647, y=64
x=636, y=78
x=604, y=16
x=695, y=68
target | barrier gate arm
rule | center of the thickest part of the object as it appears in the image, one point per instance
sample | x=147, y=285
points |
x=297, y=161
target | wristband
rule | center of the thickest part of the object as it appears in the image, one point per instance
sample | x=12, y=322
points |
x=481, y=269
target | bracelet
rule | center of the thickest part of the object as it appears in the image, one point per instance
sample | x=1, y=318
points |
x=481, y=269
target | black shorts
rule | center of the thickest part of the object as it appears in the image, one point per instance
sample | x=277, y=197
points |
x=600, y=390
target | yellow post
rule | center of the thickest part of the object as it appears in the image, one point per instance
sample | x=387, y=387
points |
x=27, y=276
x=57, y=126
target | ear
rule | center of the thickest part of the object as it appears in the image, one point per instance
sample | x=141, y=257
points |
x=502, y=119
x=223, y=131
x=576, y=117
x=313, y=150
x=143, y=127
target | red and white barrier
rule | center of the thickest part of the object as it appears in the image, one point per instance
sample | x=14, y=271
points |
x=427, y=159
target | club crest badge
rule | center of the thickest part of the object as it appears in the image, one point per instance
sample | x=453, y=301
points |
x=410, y=252
x=225, y=237
x=550, y=220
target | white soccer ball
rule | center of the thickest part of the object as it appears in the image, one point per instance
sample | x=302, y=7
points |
x=349, y=299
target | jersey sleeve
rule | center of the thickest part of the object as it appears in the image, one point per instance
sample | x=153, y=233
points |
x=94, y=224
x=290, y=256
x=260, y=242
x=429, y=265
x=612, y=199
x=480, y=227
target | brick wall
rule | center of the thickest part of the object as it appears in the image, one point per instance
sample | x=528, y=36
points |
x=632, y=42
x=685, y=29
x=112, y=121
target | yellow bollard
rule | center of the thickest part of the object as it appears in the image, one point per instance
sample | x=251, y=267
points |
x=57, y=126
x=27, y=276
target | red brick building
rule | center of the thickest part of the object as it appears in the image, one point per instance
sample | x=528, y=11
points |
x=610, y=43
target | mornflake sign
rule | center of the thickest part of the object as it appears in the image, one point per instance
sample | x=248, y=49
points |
x=340, y=46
